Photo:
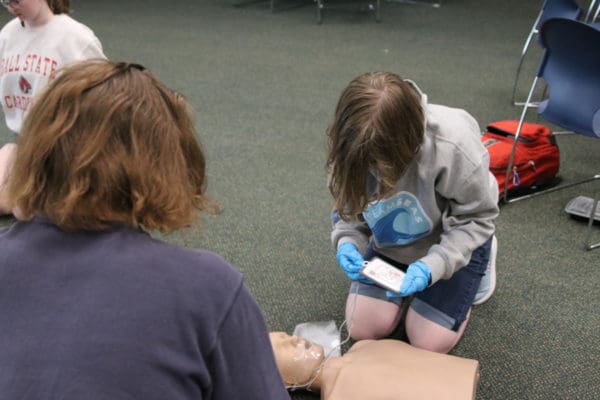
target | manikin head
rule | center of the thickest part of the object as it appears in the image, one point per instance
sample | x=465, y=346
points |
x=36, y=12
x=378, y=128
x=298, y=360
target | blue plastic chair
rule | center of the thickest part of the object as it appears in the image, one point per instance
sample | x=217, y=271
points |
x=550, y=9
x=570, y=66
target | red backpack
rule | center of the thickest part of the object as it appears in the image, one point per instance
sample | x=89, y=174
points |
x=536, y=159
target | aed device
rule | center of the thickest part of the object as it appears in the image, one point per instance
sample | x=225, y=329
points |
x=383, y=273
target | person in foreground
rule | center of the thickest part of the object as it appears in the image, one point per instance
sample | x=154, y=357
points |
x=375, y=370
x=39, y=40
x=411, y=185
x=91, y=305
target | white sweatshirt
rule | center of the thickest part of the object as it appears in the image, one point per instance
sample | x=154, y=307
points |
x=29, y=55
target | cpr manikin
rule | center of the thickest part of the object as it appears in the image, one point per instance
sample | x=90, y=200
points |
x=375, y=370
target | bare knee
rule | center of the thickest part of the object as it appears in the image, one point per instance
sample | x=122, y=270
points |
x=370, y=318
x=437, y=345
x=428, y=335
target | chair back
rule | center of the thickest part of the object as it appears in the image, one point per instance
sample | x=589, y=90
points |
x=559, y=9
x=571, y=68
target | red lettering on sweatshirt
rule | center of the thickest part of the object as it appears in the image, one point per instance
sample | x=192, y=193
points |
x=35, y=63
x=20, y=102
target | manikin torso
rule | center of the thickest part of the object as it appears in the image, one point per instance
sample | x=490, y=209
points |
x=394, y=370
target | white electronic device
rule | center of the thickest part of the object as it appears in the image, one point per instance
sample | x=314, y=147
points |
x=384, y=274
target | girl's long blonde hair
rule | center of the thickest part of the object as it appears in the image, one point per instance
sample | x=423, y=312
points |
x=378, y=128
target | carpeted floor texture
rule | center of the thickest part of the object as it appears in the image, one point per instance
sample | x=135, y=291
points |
x=264, y=85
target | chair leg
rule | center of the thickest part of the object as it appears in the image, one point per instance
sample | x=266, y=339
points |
x=589, y=12
x=516, y=140
x=319, y=12
x=532, y=33
x=588, y=241
x=516, y=82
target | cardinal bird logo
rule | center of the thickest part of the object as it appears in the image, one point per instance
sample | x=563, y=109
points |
x=24, y=85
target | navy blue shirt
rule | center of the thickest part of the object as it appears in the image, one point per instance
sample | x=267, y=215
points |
x=119, y=315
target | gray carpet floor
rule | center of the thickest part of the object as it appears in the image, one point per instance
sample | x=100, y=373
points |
x=264, y=86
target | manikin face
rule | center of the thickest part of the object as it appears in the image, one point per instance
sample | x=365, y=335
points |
x=297, y=359
x=32, y=12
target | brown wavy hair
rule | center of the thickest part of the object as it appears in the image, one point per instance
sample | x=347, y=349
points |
x=59, y=6
x=106, y=142
x=378, y=127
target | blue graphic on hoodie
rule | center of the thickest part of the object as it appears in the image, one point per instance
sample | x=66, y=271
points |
x=398, y=220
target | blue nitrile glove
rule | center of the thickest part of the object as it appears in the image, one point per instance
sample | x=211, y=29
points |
x=351, y=262
x=417, y=278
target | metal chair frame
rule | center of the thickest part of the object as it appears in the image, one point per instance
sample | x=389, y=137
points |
x=589, y=245
x=568, y=9
x=376, y=6
x=589, y=18
x=434, y=4
x=588, y=242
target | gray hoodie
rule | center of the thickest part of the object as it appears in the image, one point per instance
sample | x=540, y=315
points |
x=445, y=204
